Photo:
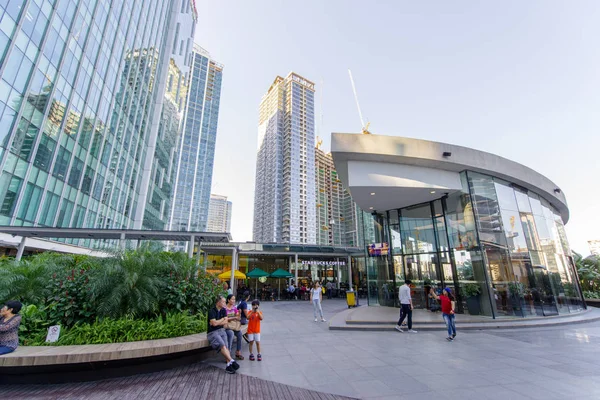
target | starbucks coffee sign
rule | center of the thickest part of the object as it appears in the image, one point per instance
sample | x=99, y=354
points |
x=323, y=263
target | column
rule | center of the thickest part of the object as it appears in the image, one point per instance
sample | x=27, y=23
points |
x=296, y=267
x=350, y=273
x=191, y=244
x=122, y=242
x=21, y=248
x=198, y=254
x=233, y=268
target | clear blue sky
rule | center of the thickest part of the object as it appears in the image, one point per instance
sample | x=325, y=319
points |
x=517, y=78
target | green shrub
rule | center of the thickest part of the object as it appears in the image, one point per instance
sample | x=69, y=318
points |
x=588, y=294
x=34, y=325
x=471, y=290
x=127, y=330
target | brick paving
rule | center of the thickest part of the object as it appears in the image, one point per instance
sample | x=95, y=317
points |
x=197, y=381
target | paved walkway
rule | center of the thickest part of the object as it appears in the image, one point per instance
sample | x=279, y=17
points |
x=536, y=363
x=385, y=318
x=194, y=382
x=545, y=363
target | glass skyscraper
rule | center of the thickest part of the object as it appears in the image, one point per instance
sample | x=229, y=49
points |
x=196, y=150
x=285, y=199
x=90, y=97
x=219, y=214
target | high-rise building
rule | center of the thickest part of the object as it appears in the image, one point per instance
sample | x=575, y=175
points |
x=90, y=98
x=196, y=151
x=594, y=247
x=284, y=199
x=339, y=221
x=219, y=214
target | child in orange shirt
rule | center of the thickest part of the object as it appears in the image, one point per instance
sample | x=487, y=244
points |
x=254, y=318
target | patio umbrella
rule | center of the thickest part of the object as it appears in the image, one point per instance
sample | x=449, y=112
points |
x=278, y=274
x=237, y=274
x=257, y=273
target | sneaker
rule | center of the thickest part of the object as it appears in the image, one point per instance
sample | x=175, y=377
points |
x=453, y=335
x=399, y=329
x=316, y=320
x=323, y=320
x=412, y=331
x=252, y=357
x=449, y=338
x=235, y=365
x=230, y=369
x=258, y=357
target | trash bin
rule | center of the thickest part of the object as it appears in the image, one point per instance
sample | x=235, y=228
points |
x=351, y=298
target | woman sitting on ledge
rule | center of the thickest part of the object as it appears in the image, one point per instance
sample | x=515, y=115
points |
x=9, y=326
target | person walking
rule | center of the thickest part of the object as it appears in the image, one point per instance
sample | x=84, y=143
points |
x=406, y=306
x=316, y=295
x=448, y=303
x=329, y=287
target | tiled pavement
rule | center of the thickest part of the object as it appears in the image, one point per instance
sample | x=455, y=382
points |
x=546, y=363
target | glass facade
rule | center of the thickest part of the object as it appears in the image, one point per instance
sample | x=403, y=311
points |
x=79, y=83
x=196, y=151
x=501, y=248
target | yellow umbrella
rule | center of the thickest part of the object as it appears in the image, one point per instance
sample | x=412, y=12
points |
x=237, y=274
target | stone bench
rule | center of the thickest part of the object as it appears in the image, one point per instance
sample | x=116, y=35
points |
x=76, y=360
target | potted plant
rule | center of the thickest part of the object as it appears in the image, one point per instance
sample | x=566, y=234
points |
x=472, y=292
x=516, y=290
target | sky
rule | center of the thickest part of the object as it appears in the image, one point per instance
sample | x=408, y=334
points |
x=518, y=79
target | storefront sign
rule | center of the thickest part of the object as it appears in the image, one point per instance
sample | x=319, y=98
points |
x=324, y=263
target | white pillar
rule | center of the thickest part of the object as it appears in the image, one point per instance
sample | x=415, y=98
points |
x=191, y=244
x=296, y=267
x=21, y=248
x=198, y=254
x=233, y=268
x=350, y=273
x=122, y=242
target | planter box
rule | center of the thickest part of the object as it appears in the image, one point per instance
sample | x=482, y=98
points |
x=593, y=302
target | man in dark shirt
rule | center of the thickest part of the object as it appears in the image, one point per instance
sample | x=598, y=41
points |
x=217, y=319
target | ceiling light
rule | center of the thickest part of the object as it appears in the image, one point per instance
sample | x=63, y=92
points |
x=370, y=208
x=373, y=194
x=432, y=192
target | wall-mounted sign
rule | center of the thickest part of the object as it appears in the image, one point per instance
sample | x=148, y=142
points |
x=323, y=263
x=262, y=279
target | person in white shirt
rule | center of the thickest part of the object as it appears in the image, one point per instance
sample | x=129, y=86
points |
x=406, y=306
x=316, y=294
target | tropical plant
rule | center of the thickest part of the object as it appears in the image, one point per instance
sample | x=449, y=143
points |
x=588, y=269
x=25, y=280
x=128, y=329
x=471, y=290
x=129, y=285
x=34, y=325
x=516, y=288
x=591, y=295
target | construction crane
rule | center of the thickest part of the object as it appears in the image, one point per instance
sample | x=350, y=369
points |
x=365, y=128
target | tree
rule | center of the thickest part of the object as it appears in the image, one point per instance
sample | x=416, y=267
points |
x=588, y=269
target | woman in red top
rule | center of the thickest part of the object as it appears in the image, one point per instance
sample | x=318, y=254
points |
x=447, y=303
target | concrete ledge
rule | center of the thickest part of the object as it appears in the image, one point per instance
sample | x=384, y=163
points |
x=54, y=364
x=593, y=302
x=347, y=320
